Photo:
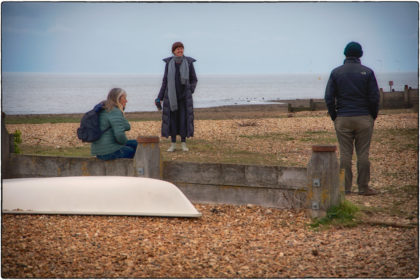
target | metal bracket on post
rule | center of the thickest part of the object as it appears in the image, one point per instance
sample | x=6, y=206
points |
x=323, y=180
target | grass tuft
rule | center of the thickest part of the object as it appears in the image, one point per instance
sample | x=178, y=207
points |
x=342, y=215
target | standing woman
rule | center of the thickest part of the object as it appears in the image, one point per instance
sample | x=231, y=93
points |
x=178, y=85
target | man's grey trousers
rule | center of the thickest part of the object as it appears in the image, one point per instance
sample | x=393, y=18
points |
x=355, y=131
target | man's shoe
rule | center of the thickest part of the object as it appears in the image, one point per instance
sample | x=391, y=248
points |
x=368, y=192
x=172, y=147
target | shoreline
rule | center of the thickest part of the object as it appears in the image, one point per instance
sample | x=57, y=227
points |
x=274, y=108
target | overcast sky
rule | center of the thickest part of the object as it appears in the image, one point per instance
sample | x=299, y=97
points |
x=225, y=38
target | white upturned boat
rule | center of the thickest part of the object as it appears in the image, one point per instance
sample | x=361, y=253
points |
x=95, y=195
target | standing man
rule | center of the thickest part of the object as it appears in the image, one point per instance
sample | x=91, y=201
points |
x=352, y=99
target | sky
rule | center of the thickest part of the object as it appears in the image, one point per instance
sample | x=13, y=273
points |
x=224, y=38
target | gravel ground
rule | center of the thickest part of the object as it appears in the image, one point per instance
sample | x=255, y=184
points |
x=226, y=242
x=231, y=241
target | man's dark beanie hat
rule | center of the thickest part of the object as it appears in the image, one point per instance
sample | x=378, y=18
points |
x=353, y=49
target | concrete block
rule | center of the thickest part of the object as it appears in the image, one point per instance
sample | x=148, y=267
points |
x=24, y=166
x=235, y=175
x=236, y=195
x=292, y=177
x=261, y=176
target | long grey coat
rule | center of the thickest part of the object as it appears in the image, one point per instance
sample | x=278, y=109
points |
x=188, y=91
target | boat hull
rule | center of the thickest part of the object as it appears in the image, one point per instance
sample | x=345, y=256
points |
x=95, y=195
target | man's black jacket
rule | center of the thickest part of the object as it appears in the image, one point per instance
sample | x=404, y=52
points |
x=352, y=90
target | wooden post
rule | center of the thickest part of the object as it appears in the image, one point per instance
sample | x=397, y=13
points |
x=381, y=99
x=5, y=145
x=147, y=161
x=12, y=143
x=323, y=181
x=406, y=97
x=311, y=105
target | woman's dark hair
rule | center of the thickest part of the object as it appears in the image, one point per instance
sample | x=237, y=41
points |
x=177, y=45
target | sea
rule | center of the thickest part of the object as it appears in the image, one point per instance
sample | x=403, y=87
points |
x=52, y=93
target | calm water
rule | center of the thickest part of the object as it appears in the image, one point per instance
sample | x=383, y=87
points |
x=35, y=93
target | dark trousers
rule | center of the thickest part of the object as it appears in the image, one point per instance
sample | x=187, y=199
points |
x=178, y=124
x=355, y=132
x=128, y=151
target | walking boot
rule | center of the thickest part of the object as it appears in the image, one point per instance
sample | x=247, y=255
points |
x=172, y=147
x=184, y=147
x=368, y=192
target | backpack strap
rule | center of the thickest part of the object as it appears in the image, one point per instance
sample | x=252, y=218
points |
x=99, y=107
x=103, y=131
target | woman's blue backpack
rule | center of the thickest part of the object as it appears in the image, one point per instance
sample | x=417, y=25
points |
x=89, y=130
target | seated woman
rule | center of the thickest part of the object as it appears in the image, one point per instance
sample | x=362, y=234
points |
x=114, y=143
